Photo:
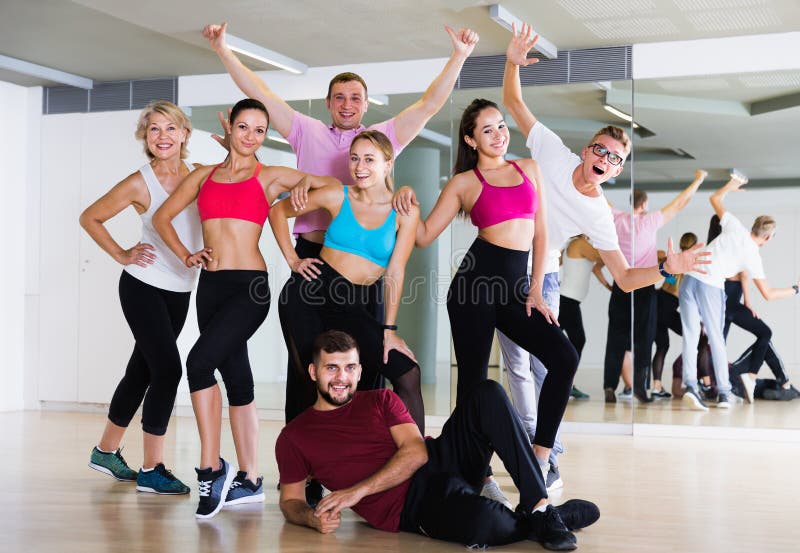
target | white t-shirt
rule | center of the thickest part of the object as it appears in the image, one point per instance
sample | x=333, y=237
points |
x=568, y=211
x=732, y=252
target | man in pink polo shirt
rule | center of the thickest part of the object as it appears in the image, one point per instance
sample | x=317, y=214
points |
x=637, y=241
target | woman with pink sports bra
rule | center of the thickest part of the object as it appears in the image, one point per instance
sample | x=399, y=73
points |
x=504, y=199
x=233, y=298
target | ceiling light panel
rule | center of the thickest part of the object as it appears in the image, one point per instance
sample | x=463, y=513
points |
x=591, y=9
x=747, y=19
x=695, y=85
x=771, y=80
x=632, y=28
x=690, y=5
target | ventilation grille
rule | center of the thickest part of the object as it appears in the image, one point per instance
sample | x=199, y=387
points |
x=113, y=96
x=571, y=66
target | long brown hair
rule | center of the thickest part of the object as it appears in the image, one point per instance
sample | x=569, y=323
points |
x=382, y=142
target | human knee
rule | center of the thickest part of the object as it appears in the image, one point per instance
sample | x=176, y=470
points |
x=409, y=382
x=198, y=372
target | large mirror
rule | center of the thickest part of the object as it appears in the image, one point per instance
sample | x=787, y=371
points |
x=729, y=124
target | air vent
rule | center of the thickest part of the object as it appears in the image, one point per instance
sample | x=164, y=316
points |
x=110, y=96
x=571, y=66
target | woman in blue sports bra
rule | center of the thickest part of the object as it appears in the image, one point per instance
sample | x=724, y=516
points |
x=365, y=241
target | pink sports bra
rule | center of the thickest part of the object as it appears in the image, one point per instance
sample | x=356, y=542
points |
x=497, y=204
x=243, y=200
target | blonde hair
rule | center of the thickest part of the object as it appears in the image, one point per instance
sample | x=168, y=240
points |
x=382, y=142
x=616, y=133
x=171, y=112
x=764, y=225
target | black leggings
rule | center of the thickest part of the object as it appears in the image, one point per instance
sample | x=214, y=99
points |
x=571, y=321
x=333, y=302
x=667, y=319
x=488, y=292
x=231, y=305
x=619, y=335
x=741, y=316
x=155, y=317
x=443, y=499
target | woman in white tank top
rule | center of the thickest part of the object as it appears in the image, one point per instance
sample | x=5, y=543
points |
x=154, y=292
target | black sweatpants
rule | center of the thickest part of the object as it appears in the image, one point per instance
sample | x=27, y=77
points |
x=488, y=292
x=571, y=321
x=231, y=305
x=155, y=317
x=618, y=339
x=667, y=318
x=444, y=501
x=736, y=313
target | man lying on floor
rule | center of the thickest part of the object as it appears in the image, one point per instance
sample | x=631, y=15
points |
x=366, y=448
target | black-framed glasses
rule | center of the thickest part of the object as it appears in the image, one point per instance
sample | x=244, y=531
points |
x=600, y=151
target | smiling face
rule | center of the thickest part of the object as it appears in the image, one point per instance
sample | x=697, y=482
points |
x=490, y=136
x=347, y=104
x=164, y=137
x=597, y=169
x=337, y=375
x=248, y=131
x=369, y=165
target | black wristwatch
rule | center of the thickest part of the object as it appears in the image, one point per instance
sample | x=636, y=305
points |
x=796, y=289
x=663, y=272
x=389, y=327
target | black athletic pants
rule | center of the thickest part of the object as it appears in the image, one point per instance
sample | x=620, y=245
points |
x=667, y=318
x=231, y=305
x=155, y=317
x=571, y=321
x=741, y=316
x=488, y=292
x=619, y=335
x=444, y=501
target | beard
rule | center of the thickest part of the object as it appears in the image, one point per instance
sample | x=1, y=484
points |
x=338, y=402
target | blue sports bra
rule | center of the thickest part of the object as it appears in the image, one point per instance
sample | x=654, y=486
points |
x=346, y=234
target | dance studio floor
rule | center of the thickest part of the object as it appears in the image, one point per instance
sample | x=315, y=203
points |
x=655, y=494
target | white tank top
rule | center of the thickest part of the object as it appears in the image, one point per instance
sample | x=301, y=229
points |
x=167, y=271
x=575, y=272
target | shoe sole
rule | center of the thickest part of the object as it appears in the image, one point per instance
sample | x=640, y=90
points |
x=159, y=492
x=104, y=470
x=224, y=493
x=693, y=402
x=723, y=405
x=749, y=391
x=259, y=498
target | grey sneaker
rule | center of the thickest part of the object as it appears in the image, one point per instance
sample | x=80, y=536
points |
x=160, y=481
x=553, y=480
x=112, y=464
x=626, y=394
x=243, y=490
x=691, y=397
x=213, y=489
x=723, y=402
x=491, y=490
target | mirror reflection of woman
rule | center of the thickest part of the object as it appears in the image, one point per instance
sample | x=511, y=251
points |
x=154, y=291
x=233, y=298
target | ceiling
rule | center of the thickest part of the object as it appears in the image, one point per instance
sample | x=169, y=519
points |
x=108, y=40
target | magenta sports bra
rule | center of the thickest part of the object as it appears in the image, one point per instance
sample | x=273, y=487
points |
x=497, y=204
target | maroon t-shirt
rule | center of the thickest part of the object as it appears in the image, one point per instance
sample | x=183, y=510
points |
x=346, y=445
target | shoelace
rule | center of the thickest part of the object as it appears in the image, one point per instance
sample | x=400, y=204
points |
x=204, y=488
x=119, y=456
x=166, y=473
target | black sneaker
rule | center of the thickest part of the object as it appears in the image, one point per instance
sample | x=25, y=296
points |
x=708, y=393
x=723, y=402
x=243, y=490
x=548, y=529
x=611, y=397
x=213, y=489
x=691, y=397
x=578, y=513
x=313, y=493
x=660, y=394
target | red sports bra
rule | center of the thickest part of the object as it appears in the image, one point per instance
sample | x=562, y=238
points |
x=243, y=200
x=497, y=204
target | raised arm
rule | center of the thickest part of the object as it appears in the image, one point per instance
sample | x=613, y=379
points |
x=410, y=121
x=442, y=214
x=410, y=456
x=681, y=200
x=280, y=113
x=516, y=56
x=717, y=198
x=130, y=191
x=185, y=194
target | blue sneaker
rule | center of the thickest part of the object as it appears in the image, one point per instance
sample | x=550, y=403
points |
x=160, y=481
x=244, y=491
x=112, y=464
x=213, y=487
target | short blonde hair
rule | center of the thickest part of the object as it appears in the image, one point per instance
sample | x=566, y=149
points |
x=764, y=225
x=171, y=112
x=616, y=133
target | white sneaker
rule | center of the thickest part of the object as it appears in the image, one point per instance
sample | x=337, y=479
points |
x=749, y=387
x=491, y=490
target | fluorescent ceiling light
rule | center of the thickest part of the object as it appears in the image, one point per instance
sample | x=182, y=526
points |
x=378, y=99
x=260, y=53
x=272, y=135
x=621, y=114
x=34, y=70
x=505, y=18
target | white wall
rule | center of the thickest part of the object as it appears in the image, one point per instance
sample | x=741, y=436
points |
x=17, y=143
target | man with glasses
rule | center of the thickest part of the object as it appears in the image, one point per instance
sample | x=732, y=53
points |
x=576, y=203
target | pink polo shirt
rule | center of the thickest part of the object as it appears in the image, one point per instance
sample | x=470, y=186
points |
x=325, y=150
x=646, y=227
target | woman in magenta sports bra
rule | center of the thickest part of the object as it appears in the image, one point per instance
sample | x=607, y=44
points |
x=233, y=297
x=504, y=199
x=365, y=240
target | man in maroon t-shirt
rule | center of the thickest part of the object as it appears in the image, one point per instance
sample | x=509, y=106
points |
x=367, y=449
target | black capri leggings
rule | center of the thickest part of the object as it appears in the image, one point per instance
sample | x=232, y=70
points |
x=571, y=321
x=741, y=316
x=155, y=317
x=488, y=292
x=231, y=305
x=667, y=318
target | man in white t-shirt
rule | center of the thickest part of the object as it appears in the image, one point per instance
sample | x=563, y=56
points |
x=702, y=295
x=575, y=200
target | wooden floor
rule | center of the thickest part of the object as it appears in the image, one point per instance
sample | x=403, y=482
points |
x=655, y=494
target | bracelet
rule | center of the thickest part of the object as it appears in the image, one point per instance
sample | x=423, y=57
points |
x=389, y=327
x=796, y=289
x=663, y=271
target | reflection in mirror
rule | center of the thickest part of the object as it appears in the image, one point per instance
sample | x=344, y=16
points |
x=574, y=112
x=741, y=124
